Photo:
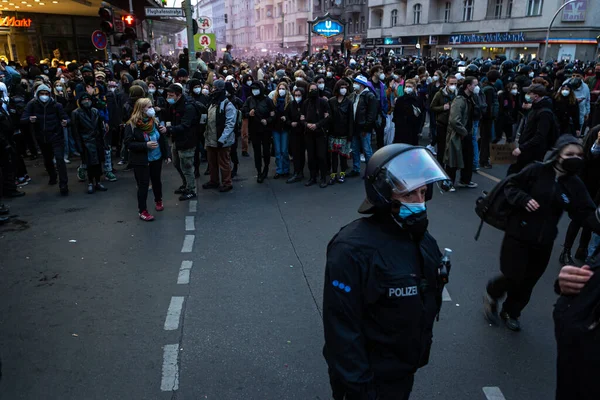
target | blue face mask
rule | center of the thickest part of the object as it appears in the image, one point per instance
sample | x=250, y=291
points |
x=408, y=209
x=171, y=101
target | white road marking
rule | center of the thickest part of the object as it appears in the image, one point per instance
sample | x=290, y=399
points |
x=491, y=177
x=188, y=244
x=446, y=295
x=493, y=393
x=174, y=313
x=193, y=206
x=170, y=368
x=189, y=223
x=184, y=273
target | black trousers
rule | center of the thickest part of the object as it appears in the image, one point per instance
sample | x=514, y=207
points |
x=485, y=131
x=441, y=133
x=144, y=174
x=466, y=174
x=298, y=152
x=57, y=151
x=7, y=178
x=522, y=265
x=261, y=145
x=397, y=390
x=338, y=159
x=94, y=172
x=316, y=148
x=379, y=134
x=572, y=231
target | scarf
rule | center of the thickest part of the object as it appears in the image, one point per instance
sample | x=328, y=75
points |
x=146, y=126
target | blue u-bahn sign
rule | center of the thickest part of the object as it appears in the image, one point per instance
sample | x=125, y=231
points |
x=327, y=26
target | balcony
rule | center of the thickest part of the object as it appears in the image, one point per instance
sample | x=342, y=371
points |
x=336, y=11
x=353, y=9
x=377, y=3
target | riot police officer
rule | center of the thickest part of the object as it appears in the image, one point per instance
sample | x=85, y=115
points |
x=383, y=283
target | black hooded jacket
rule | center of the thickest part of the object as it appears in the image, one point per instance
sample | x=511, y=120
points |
x=261, y=105
x=534, y=139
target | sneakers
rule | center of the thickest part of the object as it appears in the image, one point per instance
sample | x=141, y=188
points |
x=362, y=158
x=295, y=178
x=342, y=177
x=323, y=183
x=511, y=323
x=14, y=193
x=100, y=187
x=447, y=186
x=91, y=189
x=109, y=176
x=145, y=216
x=332, y=179
x=81, y=174
x=121, y=162
x=180, y=190
x=21, y=182
x=470, y=185
x=159, y=206
x=187, y=196
x=565, y=257
x=431, y=149
x=490, y=309
x=67, y=161
x=310, y=182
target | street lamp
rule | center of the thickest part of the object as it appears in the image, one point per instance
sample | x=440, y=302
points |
x=550, y=26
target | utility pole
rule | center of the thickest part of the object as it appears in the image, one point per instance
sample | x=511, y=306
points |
x=550, y=26
x=282, y=30
x=189, y=19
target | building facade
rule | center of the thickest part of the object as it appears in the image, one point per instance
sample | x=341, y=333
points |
x=215, y=10
x=241, y=32
x=485, y=28
x=354, y=13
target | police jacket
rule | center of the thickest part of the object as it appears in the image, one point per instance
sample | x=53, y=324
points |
x=380, y=299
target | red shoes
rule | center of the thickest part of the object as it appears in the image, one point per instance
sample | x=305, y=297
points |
x=159, y=206
x=145, y=216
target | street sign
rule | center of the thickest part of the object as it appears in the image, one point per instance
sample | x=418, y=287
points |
x=205, y=41
x=204, y=23
x=327, y=26
x=163, y=12
x=99, y=40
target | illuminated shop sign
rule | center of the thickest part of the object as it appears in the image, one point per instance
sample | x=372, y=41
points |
x=488, y=38
x=12, y=21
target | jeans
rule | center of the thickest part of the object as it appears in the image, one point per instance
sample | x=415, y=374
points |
x=70, y=145
x=360, y=142
x=184, y=163
x=57, y=151
x=475, y=147
x=143, y=175
x=282, y=158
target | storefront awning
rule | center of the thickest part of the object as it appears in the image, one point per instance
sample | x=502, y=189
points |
x=64, y=7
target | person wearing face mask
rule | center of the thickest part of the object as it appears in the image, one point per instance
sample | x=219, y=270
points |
x=315, y=118
x=377, y=77
x=148, y=149
x=582, y=94
x=407, y=115
x=509, y=114
x=539, y=130
x=566, y=110
x=281, y=105
x=488, y=119
x=330, y=78
x=324, y=92
x=48, y=118
x=459, y=141
x=12, y=167
x=437, y=84
x=60, y=95
x=297, y=136
x=114, y=107
x=365, y=109
x=440, y=106
x=247, y=82
x=340, y=131
x=88, y=130
x=539, y=194
x=382, y=288
x=257, y=109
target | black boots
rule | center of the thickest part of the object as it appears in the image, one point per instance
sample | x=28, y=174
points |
x=311, y=181
x=295, y=178
x=262, y=175
x=565, y=257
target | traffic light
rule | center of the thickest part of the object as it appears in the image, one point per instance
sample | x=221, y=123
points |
x=225, y=18
x=194, y=26
x=106, y=20
x=129, y=32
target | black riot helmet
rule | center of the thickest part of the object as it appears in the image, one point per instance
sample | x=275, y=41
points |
x=472, y=70
x=400, y=169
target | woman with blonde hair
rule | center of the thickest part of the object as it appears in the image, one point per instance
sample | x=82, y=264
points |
x=147, y=150
x=282, y=101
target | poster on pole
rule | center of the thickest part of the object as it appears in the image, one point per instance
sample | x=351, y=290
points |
x=205, y=41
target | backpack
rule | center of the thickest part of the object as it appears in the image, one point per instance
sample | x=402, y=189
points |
x=493, y=108
x=493, y=207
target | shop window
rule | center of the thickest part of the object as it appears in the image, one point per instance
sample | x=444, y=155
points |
x=417, y=13
x=509, y=8
x=447, y=11
x=394, y=18
x=468, y=10
x=534, y=7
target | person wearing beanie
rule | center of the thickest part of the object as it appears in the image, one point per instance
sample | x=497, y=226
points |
x=182, y=77
x=297, y=145
x=182, y=118
x=48, y=118
x=257, y=109
x=365, y=108
x=88, y=130
x=539, y=195
x=231, y=92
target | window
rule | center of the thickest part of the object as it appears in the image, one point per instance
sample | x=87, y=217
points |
x=417, y=13
x=468, y=10
x=350, y=25
x=509, y=8
x=498, y=9
x=447, y=11
x=363, y=24
x=534, y=7
x=394, y=18
x=356, y=26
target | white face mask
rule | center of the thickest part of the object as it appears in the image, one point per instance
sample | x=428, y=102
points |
x=476, y=89
x=321, y=86
x=161, y=91
x=205, y=92
x=452, y=88
x=565, y=92
x=281, y=92
x=151, y=91
x=151, y=112
x=255, y=92
x=62, y=80
x=298, y=99
x=224, y=72
x=408, y=90
x=343, y=91
x=249, y=83
x=59, y=88
x=197, y=90
x=329, y=74
x=128, y=62
x=298, y=79
x=531, y=74
x=356, y=87
x=381, y=76
x=514, y=92
x=112, y=89
x=44, y=98
x=436, y=78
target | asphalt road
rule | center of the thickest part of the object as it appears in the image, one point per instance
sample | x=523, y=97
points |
x=91, y=307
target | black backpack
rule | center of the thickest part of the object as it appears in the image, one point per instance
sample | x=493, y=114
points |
x=493, y=208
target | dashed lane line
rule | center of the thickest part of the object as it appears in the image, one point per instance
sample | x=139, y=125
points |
x=188, y=243
x=491, y=177
x=193, y=206
x=446, y=295
x=184, y=272
x=189, y=223
x=493, y=393
x=174, y=313
x=170, y=368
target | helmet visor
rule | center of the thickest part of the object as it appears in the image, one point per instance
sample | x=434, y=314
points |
x=412, y=169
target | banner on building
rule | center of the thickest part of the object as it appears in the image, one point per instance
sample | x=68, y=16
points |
x=575, y=12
